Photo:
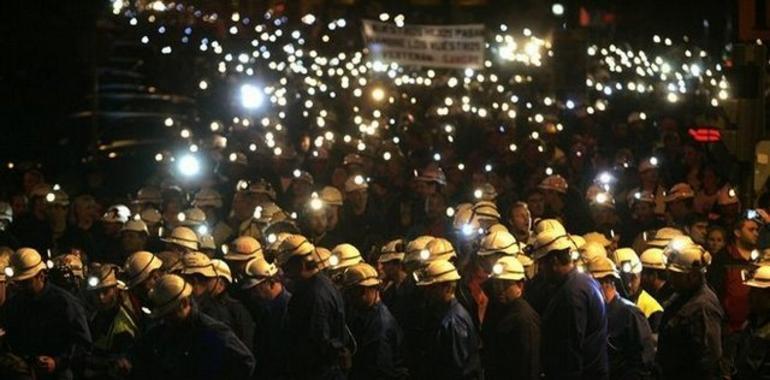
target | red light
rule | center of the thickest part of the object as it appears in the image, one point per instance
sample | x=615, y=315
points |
x=705, y=134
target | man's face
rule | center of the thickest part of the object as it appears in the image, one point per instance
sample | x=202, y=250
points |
x=262, y=291
x=678, y=209
x=133, y=241
x=506, y=291
x=317, y=222
x=649, y=176
x=106, y=298
x=424, y=189
x=390, y=269
x=679, y=281
x=201, y=285
x=435, y=206
x=748, y=234
x=698, y=232
x=521, y=220
x=715, y=241
x=112, y=229
x=362, y=297
x=332, y=216
x=148, y=284
x=434, y=294
x=358, y=198
x=644, y=211
x=536, y=205
x=608, y=289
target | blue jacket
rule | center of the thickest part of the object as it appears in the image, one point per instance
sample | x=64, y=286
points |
x=231, y=312
x=269, y=339
x=379, y=341
x=51, y=324
x=575, y=331
x=452, y=345
x=631, y=347
x=201, y=348
x=317, y=333
x=511, y=336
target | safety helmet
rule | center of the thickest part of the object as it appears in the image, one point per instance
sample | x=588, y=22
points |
x=727, y=196
x=259, y=187
x=72, y=262
x=167, y=294
x=650, y=163
x=466, y=222
x=508, y=268
x=198, y=263
x=207, y=242
x=760, y=278
x=135, y=225
x=497, y=227
x=138, y=267
x=680, y=191
x=603, y=199
x=258, y=271
x=415, y=247
x=274, y=241
x=438, y=249
x=627, y=261
x=207, y=198
x=653, y=258
x=116, y=214
x=148, y=195
x=331, y=196
x=436, y=272
x=294, y=246
x=550, y=241
x=641, y=197
x=5, y=258
x=192, y=217
x=432, y=174
x=269, y=212
x=555, y=183
x=40, y=190
x=499, y=242
x=344, y=255
x=172, y=261
x=598, y=238
x=356, y=183
x=322, y=257
x=304, y=176
x=578, y=240
x=687, y=257
x=360, y=274
x=394, y=250
x=6, y=212
x=485, y=192
x=602, y=267
x=151, y=216
x=547, y=225
x=57, y=198
x=591, y=250
x=184, y=237
x=104, y=276
x=24, y=264
x=352, y=159
x=222, y=269
x=663, y=236
x=486, y=210
x=243, y=248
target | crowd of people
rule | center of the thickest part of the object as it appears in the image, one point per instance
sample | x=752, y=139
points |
x=646, y=269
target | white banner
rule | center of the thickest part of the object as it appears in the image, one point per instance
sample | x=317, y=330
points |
x=450, y=46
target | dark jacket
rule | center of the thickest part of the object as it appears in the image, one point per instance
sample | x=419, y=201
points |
x=201, y=348
x=575, y=331
x=690, y=337
x=511, y=337
x=452, y=344
x=270, y=347
x=379, y=341
x=752, y=361
x=114, y=334
x=231, y=312
x=631, y=347
x=50, y=324
x=317, y=333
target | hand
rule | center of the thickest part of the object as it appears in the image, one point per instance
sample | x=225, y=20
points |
x=763, y=215
x=46, y=364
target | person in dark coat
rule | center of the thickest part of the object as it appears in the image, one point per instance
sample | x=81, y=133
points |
x=317, y=337
x=575, y=319
x=378, y=337
x=44, y=324
x=209, y=282
x=511, y=331
x=752, y=358
x=631, y=347
x=33, y=228
x=690, y=335
x=451, y=341
x=187, y=344
x=267, y=300
x=391, y=262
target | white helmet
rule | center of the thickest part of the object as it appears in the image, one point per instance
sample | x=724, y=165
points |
x=345, y=255
x=208, y=198
x=500, y=242
x=508, y=268
x=117, y=214
x=436, y=272
x=139, y=266
x=184, y=237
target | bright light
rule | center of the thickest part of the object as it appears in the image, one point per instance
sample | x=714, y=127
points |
x=158, y=6
x=316, y=204
x=203, y=85
x=605, y=178
x=168, y=122
x=378, y=94
x=189, y=165
x=251, y=96
x=308, y=19
x=557, y=9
